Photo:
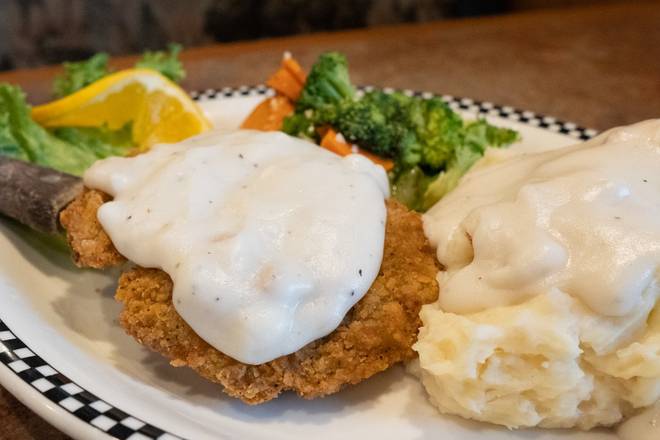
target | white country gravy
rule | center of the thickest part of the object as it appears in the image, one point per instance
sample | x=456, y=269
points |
x=269, y=239
x=584, y=219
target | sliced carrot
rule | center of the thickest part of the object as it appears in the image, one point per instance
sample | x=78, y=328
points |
x=288, y=83
x=270, y=114
x=337, y=145
x=289, y=79
x=292, y=66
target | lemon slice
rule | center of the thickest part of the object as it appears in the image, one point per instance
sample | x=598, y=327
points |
x=159, y=110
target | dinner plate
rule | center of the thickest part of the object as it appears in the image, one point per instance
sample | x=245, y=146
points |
x=63, y=354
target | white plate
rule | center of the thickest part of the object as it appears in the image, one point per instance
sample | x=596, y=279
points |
x=63, y=354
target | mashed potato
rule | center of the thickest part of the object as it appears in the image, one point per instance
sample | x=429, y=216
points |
x=547, y=313
x=531, y=364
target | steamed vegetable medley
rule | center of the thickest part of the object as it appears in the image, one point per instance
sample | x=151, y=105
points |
x=430, y=145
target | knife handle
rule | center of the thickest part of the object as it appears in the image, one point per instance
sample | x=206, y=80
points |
x=35, y=195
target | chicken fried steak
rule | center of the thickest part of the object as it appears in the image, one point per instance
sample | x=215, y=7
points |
x=376, y=333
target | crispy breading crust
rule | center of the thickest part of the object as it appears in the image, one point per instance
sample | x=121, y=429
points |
x=376, y=333
x=90, y=245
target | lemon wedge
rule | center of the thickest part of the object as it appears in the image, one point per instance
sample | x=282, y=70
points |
x=159, y=110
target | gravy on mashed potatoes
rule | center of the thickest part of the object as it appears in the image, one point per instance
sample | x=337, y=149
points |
x=547, y=313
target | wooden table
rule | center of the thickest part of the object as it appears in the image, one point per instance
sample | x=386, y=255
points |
x=596, y=66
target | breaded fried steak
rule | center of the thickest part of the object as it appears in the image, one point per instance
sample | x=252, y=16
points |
x=90, y=245
x=376, y=333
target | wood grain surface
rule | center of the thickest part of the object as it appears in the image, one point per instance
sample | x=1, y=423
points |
x=596, y=66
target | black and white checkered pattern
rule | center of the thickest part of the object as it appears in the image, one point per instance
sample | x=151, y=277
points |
x=483, y=108
x=64, y=392
x=231, y=92
x=61, y=390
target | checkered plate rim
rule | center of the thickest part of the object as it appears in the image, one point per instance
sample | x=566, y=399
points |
x=59, y=389
x=94, y=411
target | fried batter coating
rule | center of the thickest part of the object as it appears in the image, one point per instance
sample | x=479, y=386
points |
x=376, y=333
x=90, y=245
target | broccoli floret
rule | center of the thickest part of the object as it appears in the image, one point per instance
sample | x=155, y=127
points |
x=410, y=150
x=377, y=123
x=476, y=136
x=392, y=105
x=444, y=147
x=304, y=123
x=438, y=131
x=409, y=187
x=447, y=180
x=480, y=134
x=326, y=88
x=328, y=83
x=300, y=124
x=418, y=132
x=364, y=123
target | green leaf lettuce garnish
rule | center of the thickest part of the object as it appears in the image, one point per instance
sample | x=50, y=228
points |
x=80, y=74
x=166, y=62
x=71, y=150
